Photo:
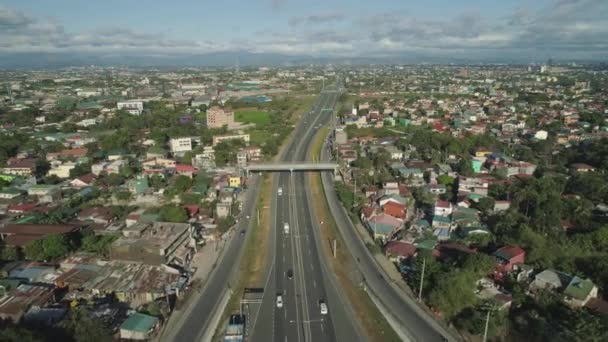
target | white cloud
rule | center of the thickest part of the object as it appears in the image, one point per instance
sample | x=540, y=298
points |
x=565, y=28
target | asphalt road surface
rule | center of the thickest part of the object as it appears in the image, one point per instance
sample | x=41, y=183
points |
x=295, y=251
x=205, y=305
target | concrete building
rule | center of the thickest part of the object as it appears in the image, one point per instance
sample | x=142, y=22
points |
x=219, y=138
x=180, y=145
x=341, y=136
x=154, y=244
x=45, y=193
x=62, y=170
x=218, y=117
x=205, y=160
x=132, y=107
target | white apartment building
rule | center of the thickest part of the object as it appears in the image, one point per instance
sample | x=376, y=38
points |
x=180, y=145
x=132, y=107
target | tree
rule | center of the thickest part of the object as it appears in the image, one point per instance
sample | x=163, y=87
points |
x=14, y=333
x=98, y=244
x=55, y=246
x=156, y=182
x=486, y=204
x=173, y=213
x=33, y=250
x=85, y=329
x=479, y=264
x=224, y=224
x=453, y=292
x=123, y=195
x=445, y=180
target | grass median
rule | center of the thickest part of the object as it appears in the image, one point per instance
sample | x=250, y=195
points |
x=370, y=318
x=255, y=255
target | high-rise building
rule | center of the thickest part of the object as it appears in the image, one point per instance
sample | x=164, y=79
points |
x=218, y=117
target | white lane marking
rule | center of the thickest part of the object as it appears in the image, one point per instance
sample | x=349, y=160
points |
x=322, y=330
x=285, y=311
x=283, y=258
x=314, y=283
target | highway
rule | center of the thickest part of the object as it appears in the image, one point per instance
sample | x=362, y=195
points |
x=200, y=313
x=300, y=318
x=419, y=324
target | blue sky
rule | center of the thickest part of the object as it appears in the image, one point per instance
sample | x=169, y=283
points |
x=561, y=28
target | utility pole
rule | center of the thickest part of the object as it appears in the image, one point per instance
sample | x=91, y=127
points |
x=335, y=247
x=354, y=190
x=485, y=331
x=421, y=280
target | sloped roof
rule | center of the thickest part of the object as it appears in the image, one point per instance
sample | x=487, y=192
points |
x=579, y=288
x=139, y=322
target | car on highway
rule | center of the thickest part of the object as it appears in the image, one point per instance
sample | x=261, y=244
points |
x=289, y=273
x=323, y=307
x=279, y=301
x=280, y=191
x=286, y=228
x=242, y=232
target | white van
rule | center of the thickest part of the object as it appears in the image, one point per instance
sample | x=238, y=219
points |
x=286, y=228
x=280, y=191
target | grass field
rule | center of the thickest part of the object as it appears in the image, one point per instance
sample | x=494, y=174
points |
x=260, y=118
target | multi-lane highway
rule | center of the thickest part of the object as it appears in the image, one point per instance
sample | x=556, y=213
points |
x=298, y=273
x=197, y=318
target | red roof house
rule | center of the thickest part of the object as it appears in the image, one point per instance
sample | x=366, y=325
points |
x=394, y=209
x=399, y=249
x=508, y=256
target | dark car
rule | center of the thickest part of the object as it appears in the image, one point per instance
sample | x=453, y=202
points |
x=242, y=232
x=289, y=273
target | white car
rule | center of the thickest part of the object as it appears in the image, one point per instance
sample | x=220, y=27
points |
x=280, y=191
x=279, y=301
x=286, y=228
x=323, y=308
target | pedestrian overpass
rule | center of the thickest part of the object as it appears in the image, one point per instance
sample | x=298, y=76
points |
x=291, y=167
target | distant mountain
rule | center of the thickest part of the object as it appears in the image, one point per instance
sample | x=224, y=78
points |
x=59, y=60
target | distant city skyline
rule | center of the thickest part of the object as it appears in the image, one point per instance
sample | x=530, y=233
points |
x=474, y=29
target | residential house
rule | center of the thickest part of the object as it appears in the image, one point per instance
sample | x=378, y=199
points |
x=18, y=235
x=442, y=208
x=509, y=256
x=222, y=210
x=62, y=170
x=138, y=185
x=550, y=280
x=395, y=209
x=185, y=169
x=390, y=188
x=579, y=291
x=397, y=251
x=83, y=181
x=581, y=168
x=20, y=167
x=9, y=193
x=45, y=193
x=138, y=327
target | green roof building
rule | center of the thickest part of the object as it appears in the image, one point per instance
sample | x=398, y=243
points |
x=579, y=291
x=138, y=326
